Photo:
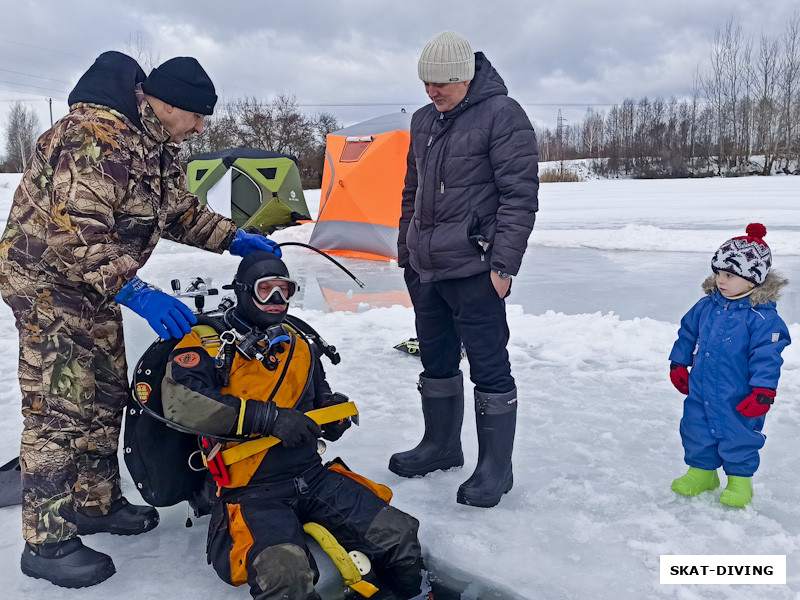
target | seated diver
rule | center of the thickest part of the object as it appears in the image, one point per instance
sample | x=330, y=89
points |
x=256, y=529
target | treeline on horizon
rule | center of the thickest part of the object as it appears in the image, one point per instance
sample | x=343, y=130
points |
x=277, y=126
x=745, y=104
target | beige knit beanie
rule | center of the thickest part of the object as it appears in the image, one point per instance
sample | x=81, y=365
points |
x=446, y=58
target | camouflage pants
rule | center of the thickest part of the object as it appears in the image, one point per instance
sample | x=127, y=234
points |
x=73, y=376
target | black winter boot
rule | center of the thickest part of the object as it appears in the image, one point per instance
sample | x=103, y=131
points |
x=123, y=518
x=443, y=412
x=496, y=417
x=67, y=564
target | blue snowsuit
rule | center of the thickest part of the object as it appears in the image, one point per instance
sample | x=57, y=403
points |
x=731, y=346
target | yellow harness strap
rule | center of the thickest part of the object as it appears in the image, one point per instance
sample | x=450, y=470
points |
x=320, y=416
x=350, y=573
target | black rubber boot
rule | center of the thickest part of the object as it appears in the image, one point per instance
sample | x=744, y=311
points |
x=443, y=412
x=67, y=564
x=496, y=417
x=123, y=518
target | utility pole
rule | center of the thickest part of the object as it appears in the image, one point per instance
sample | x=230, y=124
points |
x=50, y=102
x=559, y=136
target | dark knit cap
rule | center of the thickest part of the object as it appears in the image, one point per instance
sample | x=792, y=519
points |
x=184, y=84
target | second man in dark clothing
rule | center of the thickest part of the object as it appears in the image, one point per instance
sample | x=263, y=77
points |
x=469, y=204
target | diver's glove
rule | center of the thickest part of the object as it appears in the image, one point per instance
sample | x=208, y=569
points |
x=168, y=316
x=333, y=431
x=757, y=403
x=679, y=376
x=290, y=426
x=244, y=243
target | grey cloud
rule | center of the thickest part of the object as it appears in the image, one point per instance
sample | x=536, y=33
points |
x=364, y=51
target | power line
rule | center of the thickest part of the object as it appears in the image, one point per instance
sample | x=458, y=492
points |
x=27, y=99
x=35, y=76
x=553, y=104
x=36, y=87
x=46, y=49
x=360, y=104
x=32, y=94
x=421, y=102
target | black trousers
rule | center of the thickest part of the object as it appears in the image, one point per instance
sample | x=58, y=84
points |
x=464, y=310
x=256, y=533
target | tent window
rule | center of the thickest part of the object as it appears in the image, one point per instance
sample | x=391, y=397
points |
x=200, y=174
x=269, y=173
x=354, y=148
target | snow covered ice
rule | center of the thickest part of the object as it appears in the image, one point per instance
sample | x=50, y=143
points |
x=611, y=268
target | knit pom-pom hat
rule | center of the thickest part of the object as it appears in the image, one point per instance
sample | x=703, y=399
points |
x=747, y=256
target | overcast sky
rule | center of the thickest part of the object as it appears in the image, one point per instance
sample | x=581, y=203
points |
x=357, y=59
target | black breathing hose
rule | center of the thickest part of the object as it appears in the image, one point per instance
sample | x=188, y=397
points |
x=326, y=255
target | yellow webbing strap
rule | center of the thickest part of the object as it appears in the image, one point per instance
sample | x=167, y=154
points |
x=320, y=416
x=350, y=573
x=240, y=422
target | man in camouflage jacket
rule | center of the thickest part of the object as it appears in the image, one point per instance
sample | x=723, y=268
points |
x=104, y=185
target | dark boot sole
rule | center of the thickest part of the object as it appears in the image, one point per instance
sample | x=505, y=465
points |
x=462, y=497
x=84, y=530
x=98, y=578
x=441, y=465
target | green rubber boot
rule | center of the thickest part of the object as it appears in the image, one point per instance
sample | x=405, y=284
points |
x=695, y=482
x=738, y=492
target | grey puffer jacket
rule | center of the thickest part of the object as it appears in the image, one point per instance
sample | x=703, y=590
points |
x=472, y=176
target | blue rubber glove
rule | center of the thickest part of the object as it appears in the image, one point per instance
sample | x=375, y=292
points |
x=244, y=243
x=168, y=316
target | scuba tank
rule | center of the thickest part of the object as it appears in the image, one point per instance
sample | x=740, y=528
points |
x=161, y=455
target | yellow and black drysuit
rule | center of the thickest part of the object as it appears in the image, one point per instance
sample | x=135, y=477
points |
x=256, y=530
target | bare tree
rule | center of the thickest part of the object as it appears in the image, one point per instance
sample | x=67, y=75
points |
x=764, y=74
x=694, y=114
x=219, y=133
x=790, y=83
x=592, y=133
x=729, y=56
x=22, y=129
x=713, y=88
x=747, y=103
x=137, y=48
x=278, y=126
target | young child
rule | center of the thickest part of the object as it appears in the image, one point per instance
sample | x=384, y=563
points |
x=732, y=340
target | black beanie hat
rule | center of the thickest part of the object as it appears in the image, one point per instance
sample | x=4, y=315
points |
x=184, y=84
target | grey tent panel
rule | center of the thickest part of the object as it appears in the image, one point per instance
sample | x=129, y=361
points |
x=357, y=237
x=378, y=125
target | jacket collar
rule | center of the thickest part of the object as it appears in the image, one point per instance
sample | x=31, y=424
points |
x=151, y=125
x=485, y=83
x=769, y=291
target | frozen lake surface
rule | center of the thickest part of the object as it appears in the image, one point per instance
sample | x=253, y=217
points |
x=611, y=268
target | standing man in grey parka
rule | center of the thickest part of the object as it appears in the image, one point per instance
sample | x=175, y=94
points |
x=469, y=205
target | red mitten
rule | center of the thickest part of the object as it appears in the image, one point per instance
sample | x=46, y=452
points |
x=757, y=403
x=679, y=376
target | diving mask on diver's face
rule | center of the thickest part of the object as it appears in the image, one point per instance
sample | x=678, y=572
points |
x=274, y=289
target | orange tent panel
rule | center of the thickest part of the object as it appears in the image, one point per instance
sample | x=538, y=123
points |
x=362, y=185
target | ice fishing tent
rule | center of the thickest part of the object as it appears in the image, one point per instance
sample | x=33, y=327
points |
x=252, y=186
x=362, y=185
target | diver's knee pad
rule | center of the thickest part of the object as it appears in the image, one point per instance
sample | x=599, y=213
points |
x=282, y=571
x=395, y=533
